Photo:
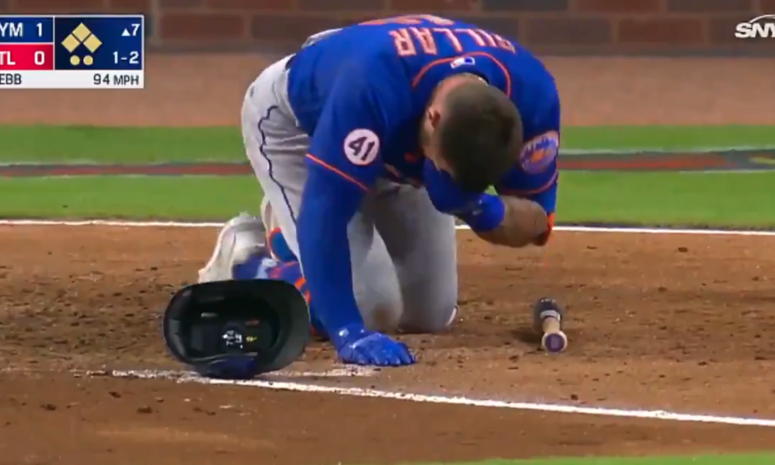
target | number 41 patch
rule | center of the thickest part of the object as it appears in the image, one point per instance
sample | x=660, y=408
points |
x=361, y=147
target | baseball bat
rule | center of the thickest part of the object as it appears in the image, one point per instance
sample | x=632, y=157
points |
x=554, y=339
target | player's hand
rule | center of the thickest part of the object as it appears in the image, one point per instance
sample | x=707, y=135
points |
x=525, y=222
x=359, y=346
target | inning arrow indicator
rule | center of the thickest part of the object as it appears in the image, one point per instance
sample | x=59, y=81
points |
x=125, y=33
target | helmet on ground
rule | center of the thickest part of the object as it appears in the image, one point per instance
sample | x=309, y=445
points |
x=237, y=329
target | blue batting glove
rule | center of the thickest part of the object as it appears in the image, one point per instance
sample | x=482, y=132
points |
x=356, y=345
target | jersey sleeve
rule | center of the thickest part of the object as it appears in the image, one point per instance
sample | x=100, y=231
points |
x=359, y=117
x=343, y=164
x=536, y=178
x=535, y=175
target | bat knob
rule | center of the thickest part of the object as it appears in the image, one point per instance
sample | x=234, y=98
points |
x=554, y=343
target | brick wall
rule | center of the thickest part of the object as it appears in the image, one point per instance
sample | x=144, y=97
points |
x=630, y=26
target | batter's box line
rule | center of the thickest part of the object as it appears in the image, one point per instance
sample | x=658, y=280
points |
x=188, y=376
x=472, y=402
x=579, y=229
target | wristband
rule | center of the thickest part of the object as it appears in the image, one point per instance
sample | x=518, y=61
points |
x=487, y=215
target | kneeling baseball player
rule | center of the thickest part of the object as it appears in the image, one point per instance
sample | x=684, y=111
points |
x=368, y=143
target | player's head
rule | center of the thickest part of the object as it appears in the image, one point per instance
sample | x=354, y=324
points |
x=473, y=131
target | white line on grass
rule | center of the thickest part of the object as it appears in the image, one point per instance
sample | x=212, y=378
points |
x=184, y=224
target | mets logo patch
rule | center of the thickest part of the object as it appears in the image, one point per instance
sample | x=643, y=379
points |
x=539, y=152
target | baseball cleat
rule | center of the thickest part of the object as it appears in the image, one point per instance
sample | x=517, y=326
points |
x=242, y=239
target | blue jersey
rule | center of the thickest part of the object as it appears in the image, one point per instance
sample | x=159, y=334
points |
x=361, y=93
x=377, y=78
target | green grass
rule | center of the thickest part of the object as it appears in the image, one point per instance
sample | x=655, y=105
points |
x=735, y=199
x=194, y=198
x=686, y=199
x=71, y=144
x=654, y=198
x=667, y=137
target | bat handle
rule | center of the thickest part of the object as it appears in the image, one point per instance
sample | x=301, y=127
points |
x=551, y=320
x=551, y=324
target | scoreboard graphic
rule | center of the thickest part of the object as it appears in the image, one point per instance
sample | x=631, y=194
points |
x=72, y=52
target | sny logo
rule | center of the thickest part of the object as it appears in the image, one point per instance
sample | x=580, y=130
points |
x=761, y=27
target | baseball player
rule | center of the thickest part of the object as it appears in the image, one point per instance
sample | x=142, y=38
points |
x=368, y=143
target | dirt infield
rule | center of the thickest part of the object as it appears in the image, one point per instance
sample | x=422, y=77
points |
x=673, y=322
x=656, y=321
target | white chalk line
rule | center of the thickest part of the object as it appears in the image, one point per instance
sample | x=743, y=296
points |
x=353, y=371
x=345, y=372
x=186, y=224
x=453, y=400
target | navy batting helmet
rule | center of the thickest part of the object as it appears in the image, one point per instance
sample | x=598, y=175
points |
x=237, y=329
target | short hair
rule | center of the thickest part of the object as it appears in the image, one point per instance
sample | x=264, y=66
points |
x=479, y=135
